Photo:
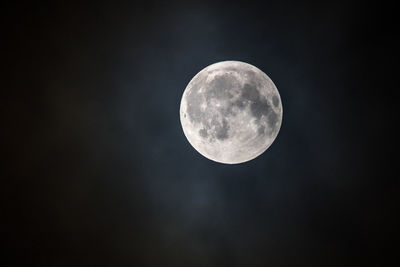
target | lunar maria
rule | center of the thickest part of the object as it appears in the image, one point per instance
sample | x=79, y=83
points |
x=231, y=112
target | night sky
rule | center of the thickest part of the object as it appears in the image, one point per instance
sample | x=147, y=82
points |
x=97, y=170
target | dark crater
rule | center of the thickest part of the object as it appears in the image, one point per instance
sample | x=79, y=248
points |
x=261, y=130
x=259, y=105
x=203, y=133
x=221, y=87
x=275, y=101
x=221, y=130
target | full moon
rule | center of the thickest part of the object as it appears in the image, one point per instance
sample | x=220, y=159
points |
x=231, y=112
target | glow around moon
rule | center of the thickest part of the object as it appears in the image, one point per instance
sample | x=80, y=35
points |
x=231, y=112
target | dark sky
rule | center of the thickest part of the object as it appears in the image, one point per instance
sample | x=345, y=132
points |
x=97, y=170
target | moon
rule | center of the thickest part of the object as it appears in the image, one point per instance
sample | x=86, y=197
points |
x=231, y=112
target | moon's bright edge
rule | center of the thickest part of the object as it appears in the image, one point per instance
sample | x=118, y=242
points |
x=231, y=112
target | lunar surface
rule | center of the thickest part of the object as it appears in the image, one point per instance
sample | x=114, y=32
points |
x=231, y=112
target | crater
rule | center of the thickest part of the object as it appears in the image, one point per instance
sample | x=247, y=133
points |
x=275, y=100
x=220, y=87
x=260, y=108
x=221, y=129
x=261, y=130
x=250, y=92
x=203, y=133
x=272, y=118
x=258, y=104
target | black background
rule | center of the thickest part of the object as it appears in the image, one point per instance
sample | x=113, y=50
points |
x=97, y=170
